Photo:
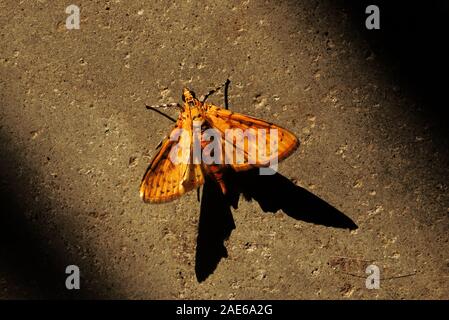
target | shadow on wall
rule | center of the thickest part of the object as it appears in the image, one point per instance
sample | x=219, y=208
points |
x=33, y=252
x=411, y=46
x=273, y=193
x=29, y=268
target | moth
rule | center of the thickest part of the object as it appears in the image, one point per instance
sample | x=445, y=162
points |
x=168, y=178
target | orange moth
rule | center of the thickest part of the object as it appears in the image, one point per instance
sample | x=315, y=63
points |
x=206, y=140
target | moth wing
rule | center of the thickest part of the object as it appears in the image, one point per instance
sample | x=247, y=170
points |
x=223, y=120
x=166, y=180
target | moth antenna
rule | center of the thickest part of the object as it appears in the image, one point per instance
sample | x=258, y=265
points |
x=225, y=85
x=155, y=109
x=166, y=105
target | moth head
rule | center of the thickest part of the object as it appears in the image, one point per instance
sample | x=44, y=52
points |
x=187, y=95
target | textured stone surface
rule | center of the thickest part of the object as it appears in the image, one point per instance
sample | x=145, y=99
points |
x=76, y=139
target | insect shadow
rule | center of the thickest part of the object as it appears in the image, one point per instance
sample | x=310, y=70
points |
x=273, y=193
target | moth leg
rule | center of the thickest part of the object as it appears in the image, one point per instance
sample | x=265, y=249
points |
x=225, y=85
x=160, y=143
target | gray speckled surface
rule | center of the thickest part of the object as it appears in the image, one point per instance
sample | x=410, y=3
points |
x=76, y=140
